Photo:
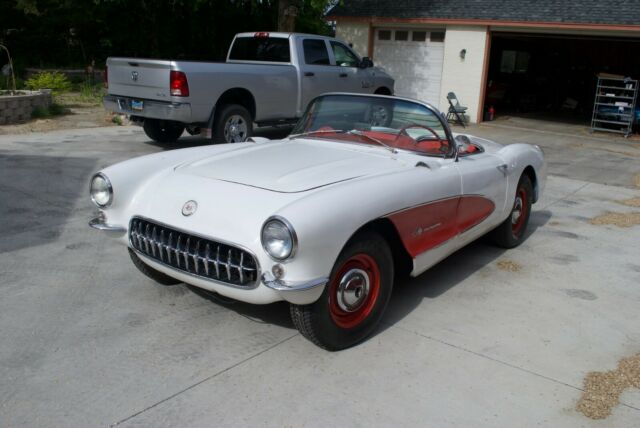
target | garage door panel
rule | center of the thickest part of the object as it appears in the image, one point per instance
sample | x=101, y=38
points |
x=416, y=66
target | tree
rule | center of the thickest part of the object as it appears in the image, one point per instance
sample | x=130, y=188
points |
x=49, y=33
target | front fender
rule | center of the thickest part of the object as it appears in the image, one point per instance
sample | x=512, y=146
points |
x=519, y=157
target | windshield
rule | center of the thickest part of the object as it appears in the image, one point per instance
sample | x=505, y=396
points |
x=384, y=122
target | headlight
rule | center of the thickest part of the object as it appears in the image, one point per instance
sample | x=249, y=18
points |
x=101, y=190
x=278, y=238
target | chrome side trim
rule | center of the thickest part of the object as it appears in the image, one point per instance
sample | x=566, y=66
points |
x=98, y=223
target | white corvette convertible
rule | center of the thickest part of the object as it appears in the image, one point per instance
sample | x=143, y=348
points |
x=366, y=187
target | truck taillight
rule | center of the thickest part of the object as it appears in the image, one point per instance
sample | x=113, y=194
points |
x=105, y=77
x=261, y=35
x=179, y=87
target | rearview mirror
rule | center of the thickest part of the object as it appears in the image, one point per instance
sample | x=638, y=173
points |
x=366, y=62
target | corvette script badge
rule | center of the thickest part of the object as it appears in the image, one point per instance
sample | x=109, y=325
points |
x=189, y=208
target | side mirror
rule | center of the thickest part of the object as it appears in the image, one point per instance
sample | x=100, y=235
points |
x=462, y=142
x=366, y=62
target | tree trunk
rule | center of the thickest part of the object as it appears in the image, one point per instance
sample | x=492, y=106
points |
x=287, y=12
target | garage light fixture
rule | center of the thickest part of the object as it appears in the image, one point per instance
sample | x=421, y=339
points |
x=463, y=53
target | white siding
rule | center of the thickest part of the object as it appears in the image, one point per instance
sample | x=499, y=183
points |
x=463, y=76
x=356, y=34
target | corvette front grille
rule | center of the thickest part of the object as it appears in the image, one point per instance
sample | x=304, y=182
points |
x=192, y=254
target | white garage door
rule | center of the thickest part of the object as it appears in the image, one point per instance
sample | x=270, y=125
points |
x=413, y=57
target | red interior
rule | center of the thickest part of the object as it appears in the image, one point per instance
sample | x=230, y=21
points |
x=400, y=141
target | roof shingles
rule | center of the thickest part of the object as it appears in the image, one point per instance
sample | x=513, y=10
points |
x=605, y=12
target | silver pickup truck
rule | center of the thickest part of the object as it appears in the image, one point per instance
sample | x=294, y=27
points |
x=268, y=78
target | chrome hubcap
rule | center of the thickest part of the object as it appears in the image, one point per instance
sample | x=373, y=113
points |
x=235, y=130
x=353, y=290
x=517, y=211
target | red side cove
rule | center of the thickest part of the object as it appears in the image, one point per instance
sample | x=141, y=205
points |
x=428, y=226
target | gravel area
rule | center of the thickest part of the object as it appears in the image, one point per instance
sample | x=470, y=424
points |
x=602, y=390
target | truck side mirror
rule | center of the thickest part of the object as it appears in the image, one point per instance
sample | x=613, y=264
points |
x=366, y=62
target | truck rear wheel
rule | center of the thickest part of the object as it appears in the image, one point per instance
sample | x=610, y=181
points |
x=163, y=131
x=233, y=125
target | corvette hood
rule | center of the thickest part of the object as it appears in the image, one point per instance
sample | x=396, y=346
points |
x=292, y=166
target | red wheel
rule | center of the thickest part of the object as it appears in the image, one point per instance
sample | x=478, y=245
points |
x=354, y=291
x=511, y=232
x=520, y=212
x=355, y=297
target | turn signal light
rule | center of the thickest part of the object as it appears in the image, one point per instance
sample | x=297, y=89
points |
x=179, y=87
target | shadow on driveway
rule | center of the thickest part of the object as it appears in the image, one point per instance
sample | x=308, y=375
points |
x=408, y=293
x=38, y=195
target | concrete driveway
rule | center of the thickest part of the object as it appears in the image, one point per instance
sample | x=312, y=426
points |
x=486, y=338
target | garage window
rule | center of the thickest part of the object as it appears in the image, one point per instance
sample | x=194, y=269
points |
x=402, y=35
x=419, y=36
x=384, y=35
x=514, y=62
x=437, y=36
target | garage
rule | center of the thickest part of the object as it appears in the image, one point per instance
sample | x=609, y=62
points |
x=523, y=58
x=414, y=56
x=554, y=76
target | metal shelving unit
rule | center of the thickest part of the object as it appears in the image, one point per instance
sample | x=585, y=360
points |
x=615, y=105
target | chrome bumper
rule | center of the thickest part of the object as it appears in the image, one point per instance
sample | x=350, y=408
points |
x=298, y=293
x=179, y=112
x=99, y=224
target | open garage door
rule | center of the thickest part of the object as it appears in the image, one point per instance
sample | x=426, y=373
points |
x=413, y=57
x=553, y=77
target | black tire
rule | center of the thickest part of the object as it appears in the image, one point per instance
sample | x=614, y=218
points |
x=324, y=322
x=223, y=128
x=163, y=131
x=158, y=277
x=512, y=231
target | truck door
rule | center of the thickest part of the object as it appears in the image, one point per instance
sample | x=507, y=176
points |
x=317, y=74
x=351, y=78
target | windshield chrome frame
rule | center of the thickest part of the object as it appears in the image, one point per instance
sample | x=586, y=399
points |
x=453, y=153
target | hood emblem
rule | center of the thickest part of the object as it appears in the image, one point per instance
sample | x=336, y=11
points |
x=134, y=76
x=189, y=208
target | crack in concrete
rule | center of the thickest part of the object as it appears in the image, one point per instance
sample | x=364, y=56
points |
x=231, y=367
x=513, y=366
x=550, y=204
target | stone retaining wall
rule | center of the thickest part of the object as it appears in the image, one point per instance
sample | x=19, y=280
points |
x=18, y=108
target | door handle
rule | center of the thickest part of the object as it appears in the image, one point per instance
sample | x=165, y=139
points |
x=309, y=74
x=344, y=75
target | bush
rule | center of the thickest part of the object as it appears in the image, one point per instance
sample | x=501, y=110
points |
x=55, y=81
x=7, y=83
x=53, y=110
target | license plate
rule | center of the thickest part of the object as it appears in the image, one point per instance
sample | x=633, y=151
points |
x=137, y=105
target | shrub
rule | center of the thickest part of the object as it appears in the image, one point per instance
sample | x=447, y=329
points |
x=55, y=81
x=53, y=110
x=40, y=112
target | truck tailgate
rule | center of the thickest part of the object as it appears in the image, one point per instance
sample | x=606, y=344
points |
x=139, y=78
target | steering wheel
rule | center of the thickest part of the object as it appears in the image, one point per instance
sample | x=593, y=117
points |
x=442, y=149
